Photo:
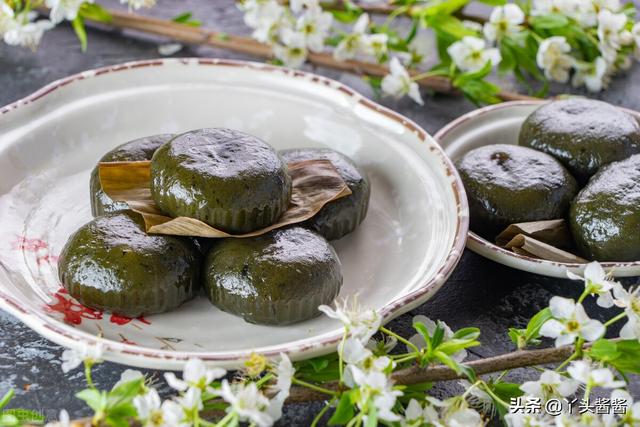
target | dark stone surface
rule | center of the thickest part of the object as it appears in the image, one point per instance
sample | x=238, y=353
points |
x=479, y=293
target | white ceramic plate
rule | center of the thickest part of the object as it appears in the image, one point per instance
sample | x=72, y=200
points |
x=500, y=124
x=408, y=245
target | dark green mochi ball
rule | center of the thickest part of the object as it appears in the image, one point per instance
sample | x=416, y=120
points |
x=583, y=134
x=605, y=215
x=340, y=217
x=277, y=278
x=507, y=184
x=112, y=264
x=228, y=179
x=136, y=150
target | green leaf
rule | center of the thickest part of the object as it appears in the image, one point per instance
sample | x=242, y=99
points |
x=438, y=335
x=505, y=391
x=467, y=334
x=81, y=33
x=125, y=392
x=25, y=416
x=494, y=2
x=345, y=16
x=549, y=21
x=523, y=337
x=8, y=420
x=344, y=411
x=458, y=367
x=95, y=399
x=622, y=355
x=319, y=364
x=185, y=18
x=450, y=25
x=6, y=398
x=372, y=417
x=440, y=9
x=95, y=12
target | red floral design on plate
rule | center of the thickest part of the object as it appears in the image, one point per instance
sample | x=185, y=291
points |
x=72, y=310
x=38, y=247
x=123, y=320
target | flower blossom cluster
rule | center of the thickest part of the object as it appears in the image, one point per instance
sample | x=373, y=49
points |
x=21, y=27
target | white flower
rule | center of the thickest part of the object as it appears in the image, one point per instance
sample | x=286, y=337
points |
x=630, y=301
x=416, y=415
x=247, y=402
x=399, y=83
x=456, y=413
x=419, y=341
x=284, y=375
x=550, y=385
x=360, y=323
x=169, y=49
x=314, y=25
x=293, y=53
x=596, y=282
x=180, y=413
x=611, y=29
x=630, y=417
x=594, y=75
x=472, y=25
x=91, y=354
x=470, y=54
x=553, y=58
x=7, y=20
x=569, y=8
x=375, y=45
x=137, y=4
x=355, y=42
x=64, y=9
x=195, y=374
x=478, y=398
x=298, y=6
x=570, y=322
x=265, y=17
x=532, y=419
x=588, y=10
x=375, y=387
x=23, y=32
x=63, y=420
x=584, y=372
x=419, y=50
x=504, y=20
x=149, y=409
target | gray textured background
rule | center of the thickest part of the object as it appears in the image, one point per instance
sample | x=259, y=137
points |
x=479, y=293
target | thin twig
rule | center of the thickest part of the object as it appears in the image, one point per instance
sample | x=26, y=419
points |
x=195, y=35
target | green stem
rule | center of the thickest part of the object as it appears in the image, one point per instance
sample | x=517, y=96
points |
x=426, y=75
x=495, y=397
x=393, y=15
x=323, y=411
x=574, y=356
x=87, y=373
x=400, y=339
x=227, y=418
x=406, y=358
x=340, y=350
x=314, y=387
x=615, y=319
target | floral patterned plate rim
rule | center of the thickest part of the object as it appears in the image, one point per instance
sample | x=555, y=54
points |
x=51, y=139
x=500, y=124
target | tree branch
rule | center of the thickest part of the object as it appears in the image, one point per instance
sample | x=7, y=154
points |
x=195, y=35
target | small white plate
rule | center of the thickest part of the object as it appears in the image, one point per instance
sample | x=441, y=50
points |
x=500, y=124
x=408, y=245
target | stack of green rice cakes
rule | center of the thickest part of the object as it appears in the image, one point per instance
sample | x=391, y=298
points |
x=577, y=159
x=234, y=182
